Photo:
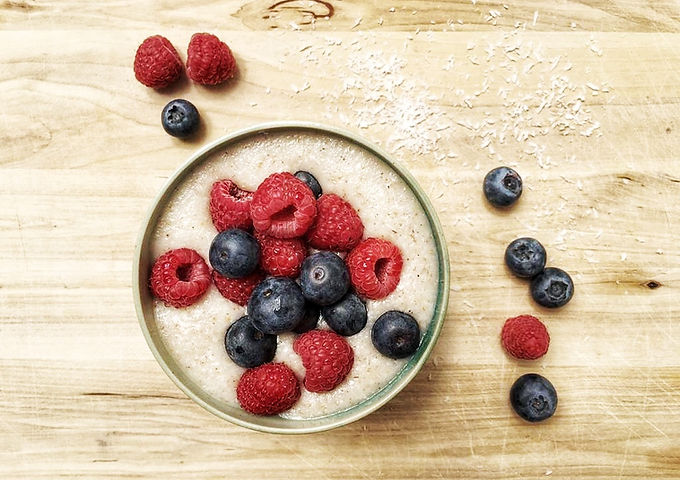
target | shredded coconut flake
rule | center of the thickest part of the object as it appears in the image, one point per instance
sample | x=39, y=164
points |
x=538, y=100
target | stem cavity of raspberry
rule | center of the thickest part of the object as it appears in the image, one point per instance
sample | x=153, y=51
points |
x=184, y=272
x=285, y=215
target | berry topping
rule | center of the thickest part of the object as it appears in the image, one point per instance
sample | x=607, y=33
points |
x=502, y=186
x=234, y=253
x=525, y=337
x=395, y=334
x=324, y=278
x=281, y=257
x=283, y=206
x=209, y=60
x=552, y=288
x=180, y=118
x=238, y=290
x=157, y=63
x=533, y=397
x=327, y=358
x=311, y=182
x=346, y=317
x=247, y=346
x=230, y=206
x=269, y=389
x=276, y=305
x=179, y=277
x=337, y=226
x=374, y=268
x=309, y=320
x=525, y=257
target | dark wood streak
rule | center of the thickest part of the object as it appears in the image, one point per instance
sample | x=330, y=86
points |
x=628, y=178
x=19, y=4
x=329, y=10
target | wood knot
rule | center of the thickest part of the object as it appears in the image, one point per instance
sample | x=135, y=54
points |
x=652, y=284
x=285, y=14
x=305, y=12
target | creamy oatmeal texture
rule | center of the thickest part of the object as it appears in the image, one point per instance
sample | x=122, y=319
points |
x=195, y=335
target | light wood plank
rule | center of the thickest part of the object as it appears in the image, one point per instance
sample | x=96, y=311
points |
x=83, y=156
x=355, y=15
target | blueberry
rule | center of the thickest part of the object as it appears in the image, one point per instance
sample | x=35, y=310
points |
x=309, y=320
x=533, y=397
x=180, y=118
x=395, y=334
x=247, y=346
x=276, y=305
x=324, y=278
x=502, y=186
x=552, y=288
x=311, y=182
x=234, y=253
x=346, y=317
x=525, y=257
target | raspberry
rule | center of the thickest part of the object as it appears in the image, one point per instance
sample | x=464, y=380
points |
x=281, y=257
x=179, y=277
x=337, y=226
x=374, y=268
x=230, y=206
x=525, y=337
x=327, y=358
x=209, y=60
x=157, y=63
x=283, y=206
x=269, y=389
x=237, y=290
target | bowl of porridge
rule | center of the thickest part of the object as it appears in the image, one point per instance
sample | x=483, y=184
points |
x=188, y=341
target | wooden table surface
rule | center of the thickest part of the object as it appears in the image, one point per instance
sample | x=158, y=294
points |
x=583, y=98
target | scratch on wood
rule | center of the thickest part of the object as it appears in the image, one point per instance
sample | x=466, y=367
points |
x=128, y=395
x=303, y=459
x=625, y=456
x=21, y=236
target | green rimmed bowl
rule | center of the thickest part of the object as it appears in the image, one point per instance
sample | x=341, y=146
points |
x=233, y=413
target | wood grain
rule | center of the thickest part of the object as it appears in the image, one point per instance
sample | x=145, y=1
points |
x=83, y=155
x=323, y=15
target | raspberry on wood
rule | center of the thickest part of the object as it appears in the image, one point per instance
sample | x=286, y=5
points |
x=157, y=63
x=209, y=60
x=525, y=337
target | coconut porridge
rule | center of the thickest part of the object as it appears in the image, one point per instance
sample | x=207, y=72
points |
x=194, y=335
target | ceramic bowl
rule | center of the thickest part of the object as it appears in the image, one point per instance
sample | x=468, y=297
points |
x=233, y=413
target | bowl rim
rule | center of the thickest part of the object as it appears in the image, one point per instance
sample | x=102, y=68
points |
x=408, y=371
